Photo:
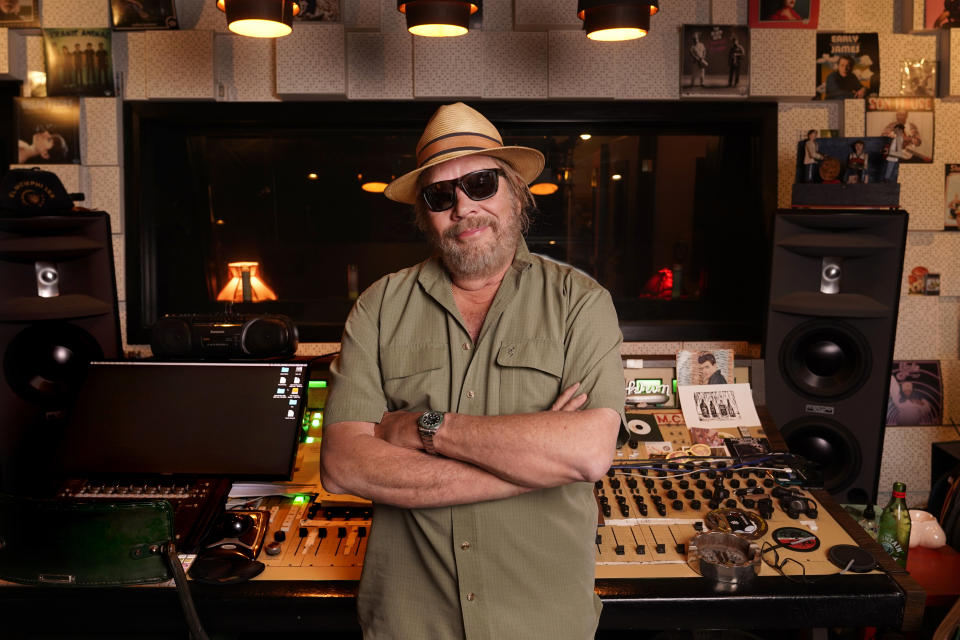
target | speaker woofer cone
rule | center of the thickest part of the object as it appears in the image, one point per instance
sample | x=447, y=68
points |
x=825, y=359
x=831, y=446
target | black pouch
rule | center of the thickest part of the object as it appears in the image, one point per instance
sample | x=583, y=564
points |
x=91, y=544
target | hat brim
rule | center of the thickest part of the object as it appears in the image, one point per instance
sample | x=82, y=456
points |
x=526, y=161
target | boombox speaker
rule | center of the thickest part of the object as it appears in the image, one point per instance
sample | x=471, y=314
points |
x=223, y=337
x=834, y=292
x=58, y=311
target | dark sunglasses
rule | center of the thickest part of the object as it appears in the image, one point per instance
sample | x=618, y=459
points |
x=477, y=185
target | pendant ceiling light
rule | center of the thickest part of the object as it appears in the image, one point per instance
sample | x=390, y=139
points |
x=438, y=18
x=610, y=20
x=259, y=18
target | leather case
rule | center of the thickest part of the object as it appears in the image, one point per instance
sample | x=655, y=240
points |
x=84, y=543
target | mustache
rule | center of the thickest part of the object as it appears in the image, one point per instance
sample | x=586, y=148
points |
x=473, y=222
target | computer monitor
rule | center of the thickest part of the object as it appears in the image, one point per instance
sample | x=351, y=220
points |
x=240, y=420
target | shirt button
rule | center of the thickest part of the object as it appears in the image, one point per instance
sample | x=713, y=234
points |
x=470, y=597
x=466, y=346
x=464, y=545
x=470, y=394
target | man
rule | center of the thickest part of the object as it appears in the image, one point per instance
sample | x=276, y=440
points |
x=709, y=371
x=895, y=151
x=45, y=146
x=698, y=51
x=736, y=54
x=911, y=136
x=476, y=397
x=842, y=83
x=11, y=11
x=102, y=65
x=811, y=155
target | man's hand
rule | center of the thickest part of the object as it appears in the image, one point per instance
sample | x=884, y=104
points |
x=399, y=428
x=567, y=401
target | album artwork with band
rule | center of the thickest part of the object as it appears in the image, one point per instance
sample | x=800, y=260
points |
x=911, y=117
x=715, y=61
x=128, y=15
x=78, y=62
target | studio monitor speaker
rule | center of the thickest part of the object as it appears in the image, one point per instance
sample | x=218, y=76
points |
x=834, y=293
x=58, y=311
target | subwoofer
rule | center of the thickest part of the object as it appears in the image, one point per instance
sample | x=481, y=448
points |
x=58, y=311
x=831, y=324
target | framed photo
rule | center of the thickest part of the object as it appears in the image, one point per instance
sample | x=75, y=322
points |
x=951, y=197
x=783, y=14
x=78, y=62
x=912, y=116
x=715, y=61
x=916, y=394
x=48, y=130
x=131, y=15
x=320, y=10
x=848, y=65
x=941, y=14
x=15, y=14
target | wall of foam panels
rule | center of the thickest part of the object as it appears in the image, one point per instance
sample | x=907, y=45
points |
x=535, y=49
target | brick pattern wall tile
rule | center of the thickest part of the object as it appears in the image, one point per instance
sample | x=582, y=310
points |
x=391, y=20
x=896, y=48
x=312, y=61
x=245, y=69
x=514, y=65
x=119, y=262
x=135, y=72
x=100, y=143
x=201, y=15
x=902, y=448
x=380, y=66
x=950, y=370
x=13, y=54
x=66, y=14
x=546, y=14
x=193, y=51
x=438, y=65
x=925, y=205
x=946, y=137
x=650, y=348
x=104, y=191
x=867, y=15
x=648, y=68
x=33, y=50
x=949, y=308
x=832, y=17
x=580, y=67
x=362, y=14
x=498, y=15
x=854, y=119
x=782, y=62
x=953, y=86
x=728, y=12
x=918, y=328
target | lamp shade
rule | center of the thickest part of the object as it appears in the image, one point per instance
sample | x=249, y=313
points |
x=611, y=20
x=259, y=18
x=245, y=284
x=438, y=18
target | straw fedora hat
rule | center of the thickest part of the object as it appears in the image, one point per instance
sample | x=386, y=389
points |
x=454, y=131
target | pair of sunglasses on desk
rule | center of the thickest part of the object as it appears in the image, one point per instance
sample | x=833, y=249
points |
x=854, y=560
x=476, y=185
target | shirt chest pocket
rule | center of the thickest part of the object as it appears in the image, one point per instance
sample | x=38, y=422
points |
x=413, y=376
x=530, y=375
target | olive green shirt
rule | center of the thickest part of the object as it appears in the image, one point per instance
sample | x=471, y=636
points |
x=520, y=567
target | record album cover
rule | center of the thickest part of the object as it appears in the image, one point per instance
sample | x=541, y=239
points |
x=951, y=196
x=915, y=115
x=916, y=393
x=78, y=62
x=128, y=15
x=783, y=14
x=48, y=130
x=848, y=65
x=17, y=14
x=715, y=61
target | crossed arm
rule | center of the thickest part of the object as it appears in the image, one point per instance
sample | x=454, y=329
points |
x=481, y=457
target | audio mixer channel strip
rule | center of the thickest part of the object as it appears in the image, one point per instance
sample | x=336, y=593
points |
x=648, y=513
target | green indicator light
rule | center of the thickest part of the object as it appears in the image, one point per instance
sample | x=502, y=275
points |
x=315, y=423
x=299, y=499
x=318, y=384
x=310, y=440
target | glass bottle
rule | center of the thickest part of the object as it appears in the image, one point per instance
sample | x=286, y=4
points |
x=893, y=532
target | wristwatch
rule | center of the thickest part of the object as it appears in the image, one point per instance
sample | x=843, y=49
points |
x=428, y=424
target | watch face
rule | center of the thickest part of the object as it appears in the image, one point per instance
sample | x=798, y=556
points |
x=431, y=419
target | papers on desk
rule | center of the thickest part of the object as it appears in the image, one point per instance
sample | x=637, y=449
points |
x=717, y=413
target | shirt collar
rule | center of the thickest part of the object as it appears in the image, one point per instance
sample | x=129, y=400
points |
x=435, y=279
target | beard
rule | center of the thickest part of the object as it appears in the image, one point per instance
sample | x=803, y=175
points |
x=479, y=258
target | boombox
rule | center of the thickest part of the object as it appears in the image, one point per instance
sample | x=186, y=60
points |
x=223, y=337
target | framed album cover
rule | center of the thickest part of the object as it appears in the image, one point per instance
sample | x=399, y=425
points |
x=939, y=14
x=15, y=14
x=951, y=197
x=78, y=62
x=918, y=77
x=48, y=130
x=783, y=14
x=916, y=394
x=320, y=10
x=848, y=65
x=715, y=61
x=135, y=15
x=913, y=117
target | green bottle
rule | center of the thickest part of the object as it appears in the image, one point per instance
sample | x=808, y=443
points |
x=893, y=533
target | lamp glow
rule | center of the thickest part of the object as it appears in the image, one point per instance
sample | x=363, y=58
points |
x=245, y=284
x=438, y=18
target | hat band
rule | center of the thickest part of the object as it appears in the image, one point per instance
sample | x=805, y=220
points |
x=455, y=142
